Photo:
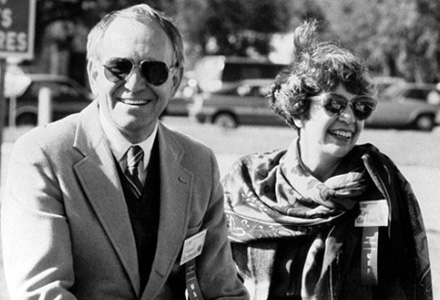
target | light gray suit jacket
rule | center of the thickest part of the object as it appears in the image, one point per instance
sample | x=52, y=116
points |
x=66, y=231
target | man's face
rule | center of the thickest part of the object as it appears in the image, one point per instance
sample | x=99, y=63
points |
x=133, y=105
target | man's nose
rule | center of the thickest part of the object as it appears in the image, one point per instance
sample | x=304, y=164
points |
x=135, y=81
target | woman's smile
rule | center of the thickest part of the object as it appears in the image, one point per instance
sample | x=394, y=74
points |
x=341, y=134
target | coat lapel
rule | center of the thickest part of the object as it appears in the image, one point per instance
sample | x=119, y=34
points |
x=100, y=180
x=176, y=186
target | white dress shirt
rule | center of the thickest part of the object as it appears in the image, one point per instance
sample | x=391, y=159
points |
x=119, y=146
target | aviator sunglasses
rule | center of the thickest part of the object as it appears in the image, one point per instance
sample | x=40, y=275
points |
x=335, y=104
x=155, y=72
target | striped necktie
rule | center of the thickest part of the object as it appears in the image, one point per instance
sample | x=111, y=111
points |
x=134, y=157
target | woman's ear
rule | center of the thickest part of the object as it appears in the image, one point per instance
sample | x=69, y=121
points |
x=298, y=122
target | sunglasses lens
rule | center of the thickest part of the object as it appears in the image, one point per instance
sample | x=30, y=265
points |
x=363, y=107
x=117, y=69
x=155, y=72
x=335, y=104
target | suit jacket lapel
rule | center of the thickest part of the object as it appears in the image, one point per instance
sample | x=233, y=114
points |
x=99, y=177
x=176, y=186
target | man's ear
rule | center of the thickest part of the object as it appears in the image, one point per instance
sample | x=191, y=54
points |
x=93, y=73
x=177, y=79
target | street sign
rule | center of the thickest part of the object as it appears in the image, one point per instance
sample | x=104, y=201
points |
x=17, y=28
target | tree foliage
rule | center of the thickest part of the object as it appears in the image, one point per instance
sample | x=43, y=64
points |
x=396, y=37
x=399, y=37
x=235, y=27
x=245, y=28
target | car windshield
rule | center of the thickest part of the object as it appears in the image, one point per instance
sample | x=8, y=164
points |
x=391, y=90
x=245, y=90
x=418, y=94
x=227, y=91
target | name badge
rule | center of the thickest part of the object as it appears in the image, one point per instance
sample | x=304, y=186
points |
x=373, y=213
x=193, y=247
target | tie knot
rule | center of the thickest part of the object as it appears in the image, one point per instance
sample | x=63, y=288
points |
x=134, y=156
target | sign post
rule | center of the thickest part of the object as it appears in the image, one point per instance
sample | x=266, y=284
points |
x=17, y=31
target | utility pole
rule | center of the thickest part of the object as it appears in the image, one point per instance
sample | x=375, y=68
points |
x=2, y=104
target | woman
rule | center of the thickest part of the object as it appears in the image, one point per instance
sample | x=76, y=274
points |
x=326, y=218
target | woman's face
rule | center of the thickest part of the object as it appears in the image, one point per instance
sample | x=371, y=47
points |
x=329, y=136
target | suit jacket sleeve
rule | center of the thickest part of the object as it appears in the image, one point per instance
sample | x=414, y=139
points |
x=215, y=268
x=35, y=232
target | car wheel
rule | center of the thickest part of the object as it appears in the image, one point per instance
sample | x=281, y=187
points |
x=225, y=120
x=27, y=119
x=425, y=122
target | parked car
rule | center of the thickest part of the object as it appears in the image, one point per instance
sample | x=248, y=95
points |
x=214, y=72
x=67, y=97
x=383, y=82
x=407, y=105
x=179, y=104
x=243, y=102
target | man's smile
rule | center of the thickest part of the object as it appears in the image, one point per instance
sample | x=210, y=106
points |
x=135, y=101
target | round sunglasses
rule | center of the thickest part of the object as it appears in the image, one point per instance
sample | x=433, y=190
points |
x=335, y=104
x=154, y=72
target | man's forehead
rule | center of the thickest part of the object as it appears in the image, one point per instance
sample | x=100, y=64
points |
x=137, y=40
x=122, y=29
x=122, y=26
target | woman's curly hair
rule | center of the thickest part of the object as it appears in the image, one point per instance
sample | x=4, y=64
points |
x=316, y=68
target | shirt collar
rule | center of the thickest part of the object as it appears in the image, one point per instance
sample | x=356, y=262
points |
x=119, y=144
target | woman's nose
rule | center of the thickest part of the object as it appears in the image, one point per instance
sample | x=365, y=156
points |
x=348, y=115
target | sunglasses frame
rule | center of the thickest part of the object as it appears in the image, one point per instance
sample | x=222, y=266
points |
x=112, y=77
x=325, y=102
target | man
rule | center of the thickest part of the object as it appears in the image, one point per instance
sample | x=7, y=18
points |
x=77, y=222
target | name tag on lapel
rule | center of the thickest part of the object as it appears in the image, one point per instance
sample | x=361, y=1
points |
x=372, y=213
x=193, y=246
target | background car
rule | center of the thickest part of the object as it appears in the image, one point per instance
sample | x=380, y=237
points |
x=67, y=97
x=243, y=102
x=383, y=82
x=407, y=105
x=179, y=104
x=214, y=72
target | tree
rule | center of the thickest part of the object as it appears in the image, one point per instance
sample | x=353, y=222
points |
x=61, y=32
x=243, y=28
x=427, y=37
x=55, y=35
x=228, y=27
x=399, y=37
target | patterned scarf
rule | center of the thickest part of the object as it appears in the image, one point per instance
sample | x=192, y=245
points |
x=271, y=197
x=280, y=198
